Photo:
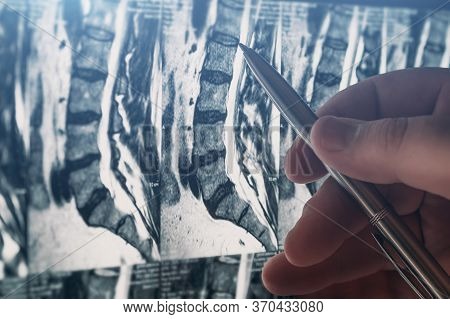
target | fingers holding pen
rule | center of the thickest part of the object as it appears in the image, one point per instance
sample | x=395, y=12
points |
x=353, y=260
x=357, y=257
x=386, y=151
x=366, y=141
x=396, y=94
x=331, y=217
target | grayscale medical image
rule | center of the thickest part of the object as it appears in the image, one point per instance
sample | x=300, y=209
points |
x=140, y=158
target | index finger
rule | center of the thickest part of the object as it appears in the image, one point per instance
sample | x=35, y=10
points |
x=404, y=93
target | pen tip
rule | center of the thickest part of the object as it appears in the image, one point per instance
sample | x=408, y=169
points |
x=243, y=47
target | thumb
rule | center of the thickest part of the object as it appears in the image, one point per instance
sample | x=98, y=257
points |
x=414, y=151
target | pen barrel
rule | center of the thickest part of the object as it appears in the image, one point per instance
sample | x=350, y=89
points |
x=412, y=252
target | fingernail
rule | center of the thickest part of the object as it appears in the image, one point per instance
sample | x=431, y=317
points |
x=337, y=133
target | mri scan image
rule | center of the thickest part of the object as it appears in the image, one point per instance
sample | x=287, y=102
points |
x=140, y=158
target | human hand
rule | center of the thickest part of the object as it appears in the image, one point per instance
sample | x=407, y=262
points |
x=392, y=130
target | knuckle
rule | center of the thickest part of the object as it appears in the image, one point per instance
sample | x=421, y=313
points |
x=389, y=134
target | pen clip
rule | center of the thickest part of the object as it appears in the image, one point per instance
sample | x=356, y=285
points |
x=406, y=273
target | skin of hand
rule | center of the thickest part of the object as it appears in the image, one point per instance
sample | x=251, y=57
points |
x=392, y=130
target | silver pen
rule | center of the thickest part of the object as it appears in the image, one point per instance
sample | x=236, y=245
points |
x=409, y=256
